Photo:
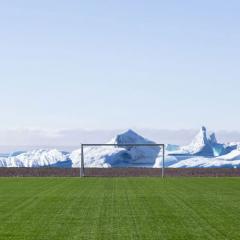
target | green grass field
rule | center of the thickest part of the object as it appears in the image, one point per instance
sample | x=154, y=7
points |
x=119, y=208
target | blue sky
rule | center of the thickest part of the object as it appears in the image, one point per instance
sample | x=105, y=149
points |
x=120, y=64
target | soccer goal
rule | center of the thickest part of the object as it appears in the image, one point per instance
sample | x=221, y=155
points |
x=122, y=160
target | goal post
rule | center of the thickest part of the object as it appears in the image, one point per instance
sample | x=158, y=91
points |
x=83, y=146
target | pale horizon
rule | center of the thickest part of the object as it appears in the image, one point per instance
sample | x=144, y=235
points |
x=70, y=139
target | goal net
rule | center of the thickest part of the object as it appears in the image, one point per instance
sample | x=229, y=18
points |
x=122, y=160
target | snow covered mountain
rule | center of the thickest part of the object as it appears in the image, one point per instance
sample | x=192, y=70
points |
x=108, y=156
x=204, y=144
x=36, y=158
x=203, y=151
x=233, y=155
x=204, y=162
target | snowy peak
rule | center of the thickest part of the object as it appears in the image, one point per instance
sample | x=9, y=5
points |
x=203, y=151
x=109, y=156
x=203, y=144
x=129, y=137
x=213, y=138
x=203, y=138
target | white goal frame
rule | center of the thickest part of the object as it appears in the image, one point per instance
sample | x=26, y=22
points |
x=162, y=146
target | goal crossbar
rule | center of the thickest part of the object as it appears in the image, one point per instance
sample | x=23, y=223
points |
x=162, y=146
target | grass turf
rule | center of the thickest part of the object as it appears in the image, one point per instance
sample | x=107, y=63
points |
x=119, y=208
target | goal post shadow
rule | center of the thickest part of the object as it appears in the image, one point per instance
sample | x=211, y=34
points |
x=162, y=147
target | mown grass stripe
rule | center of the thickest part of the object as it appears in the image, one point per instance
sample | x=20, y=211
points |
x=119, y=208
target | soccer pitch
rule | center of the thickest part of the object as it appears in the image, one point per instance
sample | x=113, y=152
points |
x=119, y=208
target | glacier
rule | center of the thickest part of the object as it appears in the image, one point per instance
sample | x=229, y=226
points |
x=205, y=144
x=124, y=156
x=37, y=158
x=203, y=152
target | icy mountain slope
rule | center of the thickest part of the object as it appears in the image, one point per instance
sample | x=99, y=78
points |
x=169, y=160
x=203, y=162
x=130, y=137
x=204, y=144
x=35, y=158
x=96, y=156
x=233, y=155
x=108, y=156
x=204, y=151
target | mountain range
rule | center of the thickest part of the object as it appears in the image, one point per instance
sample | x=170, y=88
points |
x=203, y=151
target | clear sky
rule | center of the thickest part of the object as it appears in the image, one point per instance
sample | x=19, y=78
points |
x=120, y=64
